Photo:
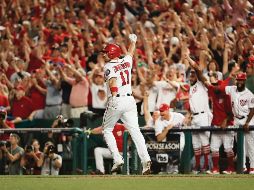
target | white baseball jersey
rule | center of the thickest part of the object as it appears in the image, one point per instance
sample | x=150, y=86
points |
x=97, y=102
x=153, y=93
x=241, y=103
x=121, y=70
x=199, y=101
x=166, y=92
x=176, y=120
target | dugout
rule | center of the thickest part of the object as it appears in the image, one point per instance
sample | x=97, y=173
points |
x=85, y=146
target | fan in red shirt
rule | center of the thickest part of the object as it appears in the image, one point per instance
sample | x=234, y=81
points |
x=38, y=90
x=22, y=105
x=4, y=102
x=222, y=117
x=35, y=62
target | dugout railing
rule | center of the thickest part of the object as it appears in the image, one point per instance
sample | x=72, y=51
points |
x=186, y=157
x=81, y=143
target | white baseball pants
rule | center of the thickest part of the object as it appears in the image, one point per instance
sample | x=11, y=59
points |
x=126, y=111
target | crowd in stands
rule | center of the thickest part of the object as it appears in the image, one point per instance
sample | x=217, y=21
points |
x=51, y=62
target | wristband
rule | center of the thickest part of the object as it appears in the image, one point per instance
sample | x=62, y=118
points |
x=114, y=89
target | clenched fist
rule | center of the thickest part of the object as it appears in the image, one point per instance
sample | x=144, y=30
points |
x=133, y=37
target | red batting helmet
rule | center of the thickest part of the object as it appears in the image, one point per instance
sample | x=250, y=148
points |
x=164, y=107
x=112, y=50
x=241, y=76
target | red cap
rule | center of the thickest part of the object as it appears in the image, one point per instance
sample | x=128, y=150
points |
x=112, y=50
x=241, y=76
x=164, y=107
x=251, y=59
x=20, y=88
x=251, y=65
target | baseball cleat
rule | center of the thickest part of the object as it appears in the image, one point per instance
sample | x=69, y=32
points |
x=96, y=172
x=196, y=171
x=213, y=171
x=245, y=171
x=147, y=168
x=251, y=171
x=117, y=166
x=228, y=172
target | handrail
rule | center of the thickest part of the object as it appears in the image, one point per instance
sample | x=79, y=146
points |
x=205, y=128
x=54, y=130
x=85, y=135
x=146, y=129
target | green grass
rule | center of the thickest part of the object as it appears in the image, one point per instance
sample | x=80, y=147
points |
x=153, y=182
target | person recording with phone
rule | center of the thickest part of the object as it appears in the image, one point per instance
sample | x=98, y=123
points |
x=50, y=161
x=30, y=160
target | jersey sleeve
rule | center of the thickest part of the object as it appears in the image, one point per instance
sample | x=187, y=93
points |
x=109, y=73
x=228, y=90
x=181, y=118
x=210, y=89
x=128, y=58
x=160, y=84
x=158, y=127
x=251, y=101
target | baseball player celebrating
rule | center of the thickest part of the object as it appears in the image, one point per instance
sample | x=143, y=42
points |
x=223, y=117
x=201, y=116
x=121, y=104
x=242, y=101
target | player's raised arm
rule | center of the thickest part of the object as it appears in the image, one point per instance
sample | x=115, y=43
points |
x=147, y=114
x=132, y=47
x=194, y=65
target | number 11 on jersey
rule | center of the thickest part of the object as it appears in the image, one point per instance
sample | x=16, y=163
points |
x=125, y=77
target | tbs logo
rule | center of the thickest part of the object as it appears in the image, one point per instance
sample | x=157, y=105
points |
x=162, y=158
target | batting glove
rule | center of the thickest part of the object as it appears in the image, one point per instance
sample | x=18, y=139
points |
x=88, y=132
x=133, y=37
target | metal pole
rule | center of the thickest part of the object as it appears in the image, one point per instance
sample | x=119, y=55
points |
x=125, y=151
x=185, y=163
x=134, y=158
x=240, y=151
x=85, y=152
x=74, y=152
